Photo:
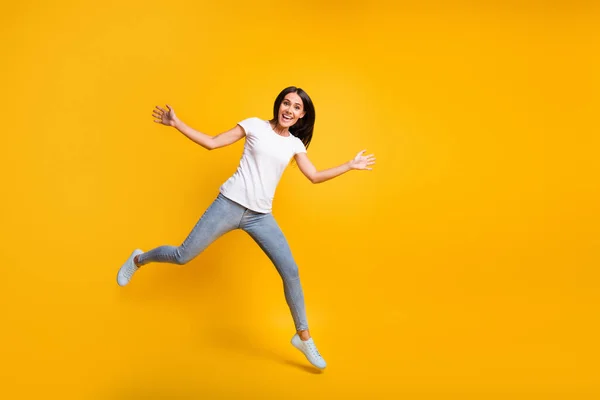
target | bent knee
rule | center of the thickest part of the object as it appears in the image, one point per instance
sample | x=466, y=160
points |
x=291, y=274
x=182, y=258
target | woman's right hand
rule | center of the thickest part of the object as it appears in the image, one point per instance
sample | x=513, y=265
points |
x=164, y=117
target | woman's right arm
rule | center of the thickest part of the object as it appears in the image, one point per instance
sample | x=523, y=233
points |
x=208, y=142
x=211, y=142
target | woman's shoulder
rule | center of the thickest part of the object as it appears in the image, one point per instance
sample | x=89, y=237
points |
x=254, y=126
x=255, y=122
x=300, y=145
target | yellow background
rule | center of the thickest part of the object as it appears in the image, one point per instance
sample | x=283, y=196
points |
x=464, y=266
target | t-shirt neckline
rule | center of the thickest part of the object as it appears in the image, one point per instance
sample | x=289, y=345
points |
x=277, y=134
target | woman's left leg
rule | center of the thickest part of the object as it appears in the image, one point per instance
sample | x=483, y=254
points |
x=266, y=232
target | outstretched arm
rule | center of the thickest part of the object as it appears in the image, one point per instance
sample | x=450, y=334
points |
x=208, y=142
x=359, y=162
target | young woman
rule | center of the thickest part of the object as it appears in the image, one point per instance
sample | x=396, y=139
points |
x=245, y=199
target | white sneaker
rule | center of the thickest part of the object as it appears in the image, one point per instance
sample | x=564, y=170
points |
x=308, y=348
x=128, y=269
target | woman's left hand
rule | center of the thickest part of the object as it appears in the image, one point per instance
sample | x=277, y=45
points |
x=362, y=162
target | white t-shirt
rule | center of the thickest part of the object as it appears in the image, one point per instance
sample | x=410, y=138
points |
x=266, y=155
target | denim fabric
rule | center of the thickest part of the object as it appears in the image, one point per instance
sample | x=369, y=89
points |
x=225, y=215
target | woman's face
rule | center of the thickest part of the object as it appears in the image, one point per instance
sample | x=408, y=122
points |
x=290, y=110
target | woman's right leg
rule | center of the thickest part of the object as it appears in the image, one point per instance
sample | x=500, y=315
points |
x=222, y=216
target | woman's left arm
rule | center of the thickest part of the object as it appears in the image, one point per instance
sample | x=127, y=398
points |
x=360, y=162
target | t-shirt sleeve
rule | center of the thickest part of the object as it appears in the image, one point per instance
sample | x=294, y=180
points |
x=300, y=148
x=248, y=124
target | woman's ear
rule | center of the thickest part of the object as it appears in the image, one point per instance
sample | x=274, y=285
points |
x=303, y=114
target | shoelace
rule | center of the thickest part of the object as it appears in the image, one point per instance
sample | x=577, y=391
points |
x=129, y=272
x=313, y=349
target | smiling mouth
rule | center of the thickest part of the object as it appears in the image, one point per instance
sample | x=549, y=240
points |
x=286, y=118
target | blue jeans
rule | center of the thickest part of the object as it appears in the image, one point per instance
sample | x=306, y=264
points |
x=223, y=216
